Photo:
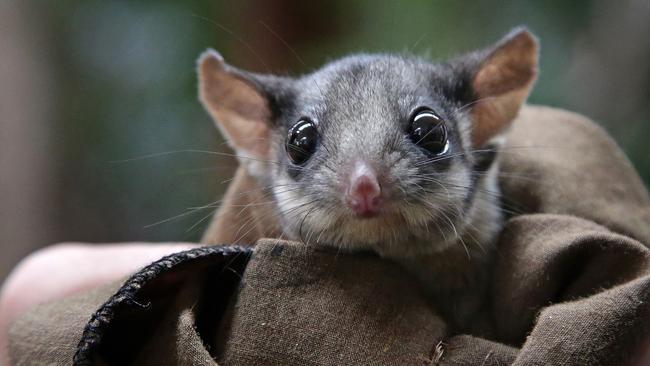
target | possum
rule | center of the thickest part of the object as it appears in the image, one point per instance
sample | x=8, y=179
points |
x=387, y=153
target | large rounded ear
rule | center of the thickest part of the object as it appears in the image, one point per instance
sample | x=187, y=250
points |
x=501, y=83
x=237, y=103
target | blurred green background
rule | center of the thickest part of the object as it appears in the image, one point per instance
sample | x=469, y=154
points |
x=87, y=84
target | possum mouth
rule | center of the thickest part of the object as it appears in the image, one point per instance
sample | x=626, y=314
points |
x=392, y=233
x=398, y=226
x=368, y=232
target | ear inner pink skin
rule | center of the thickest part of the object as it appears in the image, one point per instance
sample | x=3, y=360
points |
x=363, y=192
x=502, y=84
x=238, y=107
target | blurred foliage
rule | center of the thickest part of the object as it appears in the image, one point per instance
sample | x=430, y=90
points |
x=125, y=87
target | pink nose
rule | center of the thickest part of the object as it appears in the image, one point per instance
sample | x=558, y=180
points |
x=363, y=195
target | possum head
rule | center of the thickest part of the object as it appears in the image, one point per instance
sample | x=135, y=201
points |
x=374, y=152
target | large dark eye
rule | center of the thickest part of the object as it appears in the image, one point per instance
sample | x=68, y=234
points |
x=429, y=132
x=302, y=141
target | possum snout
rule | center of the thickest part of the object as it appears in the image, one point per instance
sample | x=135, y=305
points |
x=363, y=191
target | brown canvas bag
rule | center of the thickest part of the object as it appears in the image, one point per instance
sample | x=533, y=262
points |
x=571, y=284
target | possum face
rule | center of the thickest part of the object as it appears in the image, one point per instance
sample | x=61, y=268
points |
x=373, y=152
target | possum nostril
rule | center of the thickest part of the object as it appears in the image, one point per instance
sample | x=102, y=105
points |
x=363, y=195
x=365, y=186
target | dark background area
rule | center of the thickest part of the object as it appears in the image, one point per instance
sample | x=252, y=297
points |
x=87, y=86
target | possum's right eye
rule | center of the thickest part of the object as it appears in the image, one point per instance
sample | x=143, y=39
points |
x=301, y=141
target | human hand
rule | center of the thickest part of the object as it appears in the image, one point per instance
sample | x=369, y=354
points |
x=61, y=270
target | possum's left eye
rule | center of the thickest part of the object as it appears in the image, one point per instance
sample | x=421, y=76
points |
x=428, y=131
x=301, y=141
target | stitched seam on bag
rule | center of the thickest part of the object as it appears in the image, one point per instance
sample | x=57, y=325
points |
x=96, y=326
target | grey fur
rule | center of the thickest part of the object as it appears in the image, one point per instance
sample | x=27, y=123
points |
x=362, y=105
